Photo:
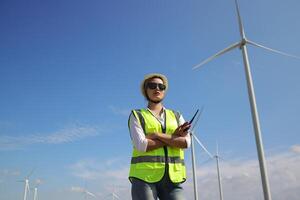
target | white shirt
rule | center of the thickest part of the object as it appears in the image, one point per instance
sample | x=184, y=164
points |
x=138, y=136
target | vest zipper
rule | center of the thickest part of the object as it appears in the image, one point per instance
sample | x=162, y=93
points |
x=164, y=129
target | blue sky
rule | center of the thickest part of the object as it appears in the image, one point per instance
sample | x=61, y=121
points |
x=70, y=74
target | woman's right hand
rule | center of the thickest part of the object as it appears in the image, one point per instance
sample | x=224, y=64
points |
x=183, y=129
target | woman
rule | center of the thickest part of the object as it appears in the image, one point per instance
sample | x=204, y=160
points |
x=159, y=137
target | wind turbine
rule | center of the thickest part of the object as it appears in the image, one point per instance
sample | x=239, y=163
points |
x=193, y=136
x=195, y=184
x=35, y=194
x=26, y=185
x=255, y=119
x=217, y=157
x=26, y=189
x=88, y=193
x=84, y=191
x=113, y=195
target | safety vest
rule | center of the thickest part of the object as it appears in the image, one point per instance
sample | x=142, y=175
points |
x=151, y=166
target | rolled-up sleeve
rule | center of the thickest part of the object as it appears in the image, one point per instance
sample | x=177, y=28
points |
x=188, y=136
x=137, y=134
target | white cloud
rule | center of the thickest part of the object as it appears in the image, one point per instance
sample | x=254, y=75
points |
x=77, y=189
x=110, y=175
x=295, y=148
x=38, y=181
x=65, y=135
x=90, y=169
x=9, y=172
x=240, y=177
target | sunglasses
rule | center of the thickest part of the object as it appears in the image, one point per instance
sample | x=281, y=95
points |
x=153, y=86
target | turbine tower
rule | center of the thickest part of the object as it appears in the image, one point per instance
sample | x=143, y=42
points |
x=26, y=188
x=217, y=157
x=193, y=136
x=242, y=44
x=35, y=197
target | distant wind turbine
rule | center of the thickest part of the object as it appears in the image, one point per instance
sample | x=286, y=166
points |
x=217, y=157
x=88, y=193
x=255, y=119
x=26, y=188
x=112, y=195
x=35, y=194
x=193, y=136
x=83, y=191
x=26, y=184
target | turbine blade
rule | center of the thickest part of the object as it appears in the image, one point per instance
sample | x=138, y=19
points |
x=241, y=27
x=273, y=50
x=89, y=193
x=217, y=148
x=237, y=44
x=31, y=172
x=203, y=147
x=116, y=196
x=197, y=119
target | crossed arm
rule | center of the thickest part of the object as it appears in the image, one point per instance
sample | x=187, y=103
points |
x=178, y=140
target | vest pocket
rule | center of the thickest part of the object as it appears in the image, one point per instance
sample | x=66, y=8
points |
x=176, y=167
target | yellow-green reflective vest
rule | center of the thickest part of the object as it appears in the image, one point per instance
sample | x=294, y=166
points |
x=151, y=166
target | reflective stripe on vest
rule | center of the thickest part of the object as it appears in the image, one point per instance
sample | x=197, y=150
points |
x=158, y=159
x=150, y=166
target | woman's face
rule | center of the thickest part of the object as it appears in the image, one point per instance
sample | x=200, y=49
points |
x=154, y=90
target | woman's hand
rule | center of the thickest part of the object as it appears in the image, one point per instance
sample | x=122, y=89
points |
x=152, y=136
x=182, y=130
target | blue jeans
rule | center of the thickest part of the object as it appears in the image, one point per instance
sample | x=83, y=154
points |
x=164, y=190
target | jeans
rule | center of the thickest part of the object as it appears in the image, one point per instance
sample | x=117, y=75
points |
x=164, y=190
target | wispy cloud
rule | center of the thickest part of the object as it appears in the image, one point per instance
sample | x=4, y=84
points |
x=119, y=111
x=65, y=135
